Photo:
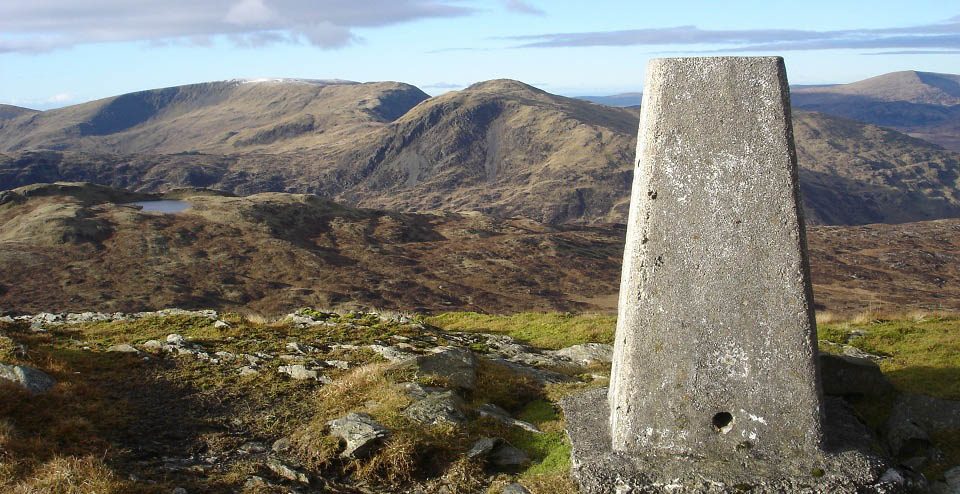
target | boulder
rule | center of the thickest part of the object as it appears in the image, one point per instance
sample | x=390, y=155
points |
x=515, y=488
x=361, y=433
x=435, y=405
x=501, y=415
x=286, y=471
x=122, y=348
x=31, y=379
x=587, y=353
x=456, y=365
x=846, y=375
x=298, y=372
x=483, y=447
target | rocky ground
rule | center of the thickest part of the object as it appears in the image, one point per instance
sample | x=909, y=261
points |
x=357, y=402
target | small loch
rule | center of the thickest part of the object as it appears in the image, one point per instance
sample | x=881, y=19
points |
x=168, y=207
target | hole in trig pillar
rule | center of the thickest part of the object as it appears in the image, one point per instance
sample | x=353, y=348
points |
x=723, y=422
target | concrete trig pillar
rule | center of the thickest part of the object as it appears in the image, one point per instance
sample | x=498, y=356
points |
x=716, y=341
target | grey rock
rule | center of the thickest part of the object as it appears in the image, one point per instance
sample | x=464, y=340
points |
x=176, y=339
x=7, y=319
x=852, y=351
x=226, y=356
x=281, y=445
x=501, y=415
x=122, y=348
x=483, y=447
x=360, y=432
x=456, y=365
x=31, y=379
x=337, y=364
x=515, y=488
x=298, y=372
x=587, y=353
x=906, y=438
x=541, y=376
x=390, y=353
x=297, y=348
x=286, y=471
x=845, y=375
x=506, y=456
x=931, y=414
x=221, y=324
x=435, y=405
x=253, y=447
x=179, y=490
x=248, y=371
x=153, y=345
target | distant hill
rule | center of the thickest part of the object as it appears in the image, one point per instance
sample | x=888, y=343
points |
x=921, y=104
x=499, y=147
x=218, y=117
x=8, y=112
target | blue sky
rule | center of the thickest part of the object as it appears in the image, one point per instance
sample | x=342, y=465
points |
x=60, y=52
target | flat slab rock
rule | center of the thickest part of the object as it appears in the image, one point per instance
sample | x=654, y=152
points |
x=846, y=466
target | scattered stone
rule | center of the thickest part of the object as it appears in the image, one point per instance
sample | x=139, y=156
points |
x=298, y=372
x=253, y=447
x=7, y=319
x=845, y=375
x=515, y=488
x=501, y=415
x=852, y=351
x=435, y=405
x=337, y=364
x=225, y=356
x=153, y=345
x=31, y=379
x=483, y=447
x=176, y=339
x=540, y=376
x=297, y=348
x=286, y=471
x=906, y=439
x=248, y=371
x=122, y=348
x=360, y=432
x=506, y=456
x=281, y=445
x=586, y=354
x=179, y=490
x=221, y=324
x=456, y=365
x=390, y=353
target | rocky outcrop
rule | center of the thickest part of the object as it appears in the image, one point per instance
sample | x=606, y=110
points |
x=33, y=380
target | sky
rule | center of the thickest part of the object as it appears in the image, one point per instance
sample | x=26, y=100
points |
x=60, y=52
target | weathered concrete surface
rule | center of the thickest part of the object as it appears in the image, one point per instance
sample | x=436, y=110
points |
x=845, y=465
x=715, y=348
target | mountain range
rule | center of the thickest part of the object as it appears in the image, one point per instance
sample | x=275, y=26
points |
x=499, y=147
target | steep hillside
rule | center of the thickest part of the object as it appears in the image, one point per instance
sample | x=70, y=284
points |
x=223, y=117
x=8, y=112
x=852, y=173
x=921, y=104
x=502, y=147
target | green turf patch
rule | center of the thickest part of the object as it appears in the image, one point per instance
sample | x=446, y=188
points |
x=553, y=331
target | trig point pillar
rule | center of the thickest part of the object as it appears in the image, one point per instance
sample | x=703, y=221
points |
x=714, y=385
x=715, y=346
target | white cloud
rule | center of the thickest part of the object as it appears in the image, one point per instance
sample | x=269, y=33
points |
x=33, y=26
x=60, y=98
x=250, y=12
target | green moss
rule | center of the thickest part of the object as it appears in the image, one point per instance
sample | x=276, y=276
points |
x=553, y=330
